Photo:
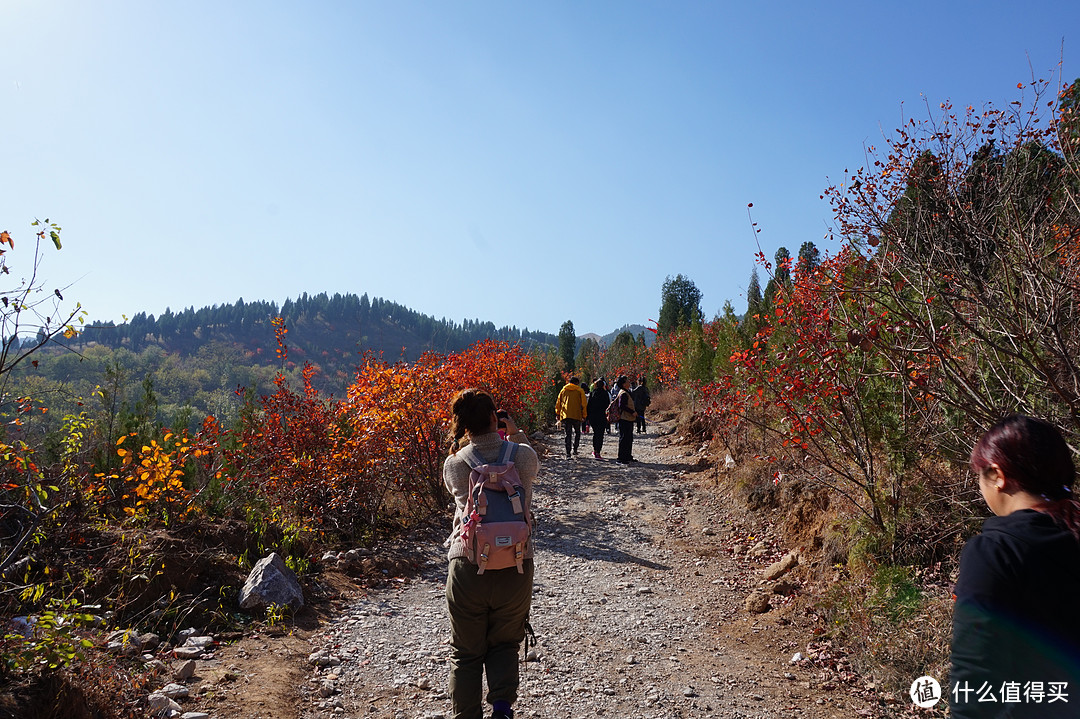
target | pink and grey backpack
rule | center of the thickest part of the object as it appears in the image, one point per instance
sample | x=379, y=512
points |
x=498, y=522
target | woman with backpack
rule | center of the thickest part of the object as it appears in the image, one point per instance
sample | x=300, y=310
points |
x=596, y=411
x=488, y=608
x=1016, y=631
x=627, y=417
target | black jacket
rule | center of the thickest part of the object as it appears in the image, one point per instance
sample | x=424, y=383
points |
x=596, y=408
x=1017, y=618
x=640, y=395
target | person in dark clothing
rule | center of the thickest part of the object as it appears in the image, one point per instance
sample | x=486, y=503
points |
x=1016, y=628
x=627, y=415
x=596, y=411
x=613, y=392
x=642, y=400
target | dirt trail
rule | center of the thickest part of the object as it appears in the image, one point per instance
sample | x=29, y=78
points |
x=638, y=611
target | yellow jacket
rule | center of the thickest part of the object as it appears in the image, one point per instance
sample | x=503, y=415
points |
x=571, y=402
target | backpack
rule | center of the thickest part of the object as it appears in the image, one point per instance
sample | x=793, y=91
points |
x=498, y=522
x=613, y=411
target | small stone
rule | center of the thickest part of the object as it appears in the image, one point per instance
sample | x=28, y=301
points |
x=797, y=658
x=159, y=703
x=631, y=659
x=187, y=652
x=185, y=671
x=149, y=641
x=782, y=567
x=174, y=691
x=689, y=692
x=194, y=715
x=201, y=642
x=757, y=602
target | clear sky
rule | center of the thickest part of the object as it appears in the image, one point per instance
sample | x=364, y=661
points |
x=523, y=163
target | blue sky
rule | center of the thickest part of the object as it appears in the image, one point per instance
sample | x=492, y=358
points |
x=523, y=163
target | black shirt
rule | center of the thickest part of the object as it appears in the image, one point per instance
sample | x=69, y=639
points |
x=1016, y=623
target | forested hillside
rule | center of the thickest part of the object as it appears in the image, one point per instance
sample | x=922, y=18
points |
x=319, y=326
x=181, y=367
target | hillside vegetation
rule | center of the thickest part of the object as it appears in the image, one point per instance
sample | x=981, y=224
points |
x=848, y=395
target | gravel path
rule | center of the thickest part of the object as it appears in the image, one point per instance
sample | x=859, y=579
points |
x=638, y=610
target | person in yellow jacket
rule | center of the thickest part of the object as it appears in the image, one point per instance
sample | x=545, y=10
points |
x=570, y=410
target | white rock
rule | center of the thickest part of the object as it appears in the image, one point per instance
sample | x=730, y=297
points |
x=159, y=703
x=201, y=642
x=174, y=691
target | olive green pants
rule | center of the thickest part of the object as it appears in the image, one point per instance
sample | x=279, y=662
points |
x=487, y=624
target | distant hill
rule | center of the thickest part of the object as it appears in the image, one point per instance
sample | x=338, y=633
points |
x=635, y=330
x=331, y=331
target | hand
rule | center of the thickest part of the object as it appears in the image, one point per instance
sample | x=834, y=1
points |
x=511, y=426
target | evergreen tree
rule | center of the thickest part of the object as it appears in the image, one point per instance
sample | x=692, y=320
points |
x=680, y=304
x=753, y=295
x=567, y=345
x=809, y=259
x=781, y=277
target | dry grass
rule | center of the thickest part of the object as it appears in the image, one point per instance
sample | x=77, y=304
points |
x=666, y=401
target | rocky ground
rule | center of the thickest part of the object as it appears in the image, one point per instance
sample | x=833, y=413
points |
x=649, y=603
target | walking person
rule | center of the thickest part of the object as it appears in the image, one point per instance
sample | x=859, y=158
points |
x=1015, y=622
x=596, y=411
x=627, y=416
x=488, y=610
x=641, y=401
x=613, y=392
x=570, y=410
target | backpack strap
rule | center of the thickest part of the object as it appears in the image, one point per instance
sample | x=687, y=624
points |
x=513, y=491
x=507, y=452
x=471, y=456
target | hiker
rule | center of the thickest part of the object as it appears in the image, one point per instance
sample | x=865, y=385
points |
x=1015, y=622
x=488, y=610
x=596, y=411
x=641, y=401
x=613, y=392
x=627, y=415
x=570, y=410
